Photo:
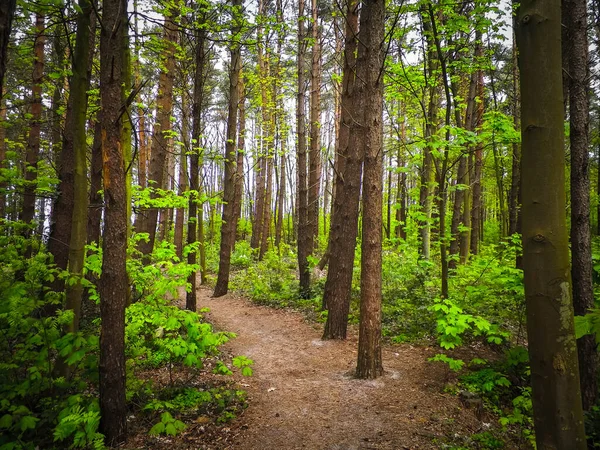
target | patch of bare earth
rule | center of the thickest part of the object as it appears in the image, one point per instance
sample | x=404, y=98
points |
x=303, y=396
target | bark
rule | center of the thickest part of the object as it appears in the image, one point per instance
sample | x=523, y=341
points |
x=33, y=141
x=556, y=397
x=344, y=220
x=304, y=230
x=3, y=183
x=7, y=12
x=314, y=178
x=75, y=135
x=427, y=171
x=581, y=249
x=280, y=117
x=514, y=205
x=239, y=173
x=476, y=209
x=96, y=201
x=229, y=181
x=195, y=216
x=369, y=68
x=113, y=281
x=164, y=107
x=182, y=177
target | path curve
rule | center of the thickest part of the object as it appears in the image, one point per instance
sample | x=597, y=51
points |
x=302, y=394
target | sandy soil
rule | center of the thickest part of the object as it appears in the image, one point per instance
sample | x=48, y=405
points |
x=303, y=396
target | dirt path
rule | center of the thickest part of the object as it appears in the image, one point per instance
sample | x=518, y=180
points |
x=302, y=395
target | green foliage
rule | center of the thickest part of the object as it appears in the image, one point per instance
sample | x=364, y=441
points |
x=167, y=425
x=270, y=281
x=158, y=334
x=453, y=324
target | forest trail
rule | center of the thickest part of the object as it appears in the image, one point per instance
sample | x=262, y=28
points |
x=302, y=394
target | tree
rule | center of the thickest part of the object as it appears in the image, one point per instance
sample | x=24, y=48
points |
x=194, y=218
x=314, y=175
x=7, y=12
x=581, y=249
x=229, y=182
x=304, y=231
x=75, y=134
x=556, y=397
x=113, y=282
x=369, y=72
x=33, y=141
x=344, y=220
x=162, y=128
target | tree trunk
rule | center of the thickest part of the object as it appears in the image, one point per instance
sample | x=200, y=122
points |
x=7, y=12
x=514, y=205
x=33, y=142
x=229, y=181
x=182, y=179
x=314, y=178
x=304, y=228
x=344, y=219
x=96, y=198
x=581, y=249
x=162, y=127
x=195, y=216
x=3, y=183
x=369, y=65
x=556, y=397
x=476, y=211
x=75, y=135
x=239, y=174
x=113, y=282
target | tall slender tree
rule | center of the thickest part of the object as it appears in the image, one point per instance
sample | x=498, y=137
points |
x=160, y=136
x=557, y=409
x=344, y=219
x=33, y=141
x=113, y=282
x=369, y=72
x=581, y=249
x=195, y=214
x=229, y=182
x=304, y=230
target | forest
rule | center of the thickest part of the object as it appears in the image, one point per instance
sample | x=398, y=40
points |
x=264, y=224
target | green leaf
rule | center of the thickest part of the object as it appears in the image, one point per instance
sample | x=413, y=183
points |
x=28, y=423
x=157, y=429
x=6, y=421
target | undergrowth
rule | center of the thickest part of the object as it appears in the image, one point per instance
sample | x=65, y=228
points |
x=40, y=408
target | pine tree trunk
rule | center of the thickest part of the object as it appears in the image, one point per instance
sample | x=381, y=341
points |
x=7, y=12
x=195, y=216
x=229, y=181
x=304, y=228
x=581, y=249
x=241, y=145
x=557, y=410
x=113, y=282
x=344, y=220
x=314, y=178
x=164, y=107
x=3, y=183
x=369, y=65
x=75, y=135
x=96, y=199
x=33, y=141
x=182, y=179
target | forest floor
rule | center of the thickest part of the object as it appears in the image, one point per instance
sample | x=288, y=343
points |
x=302, y=394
